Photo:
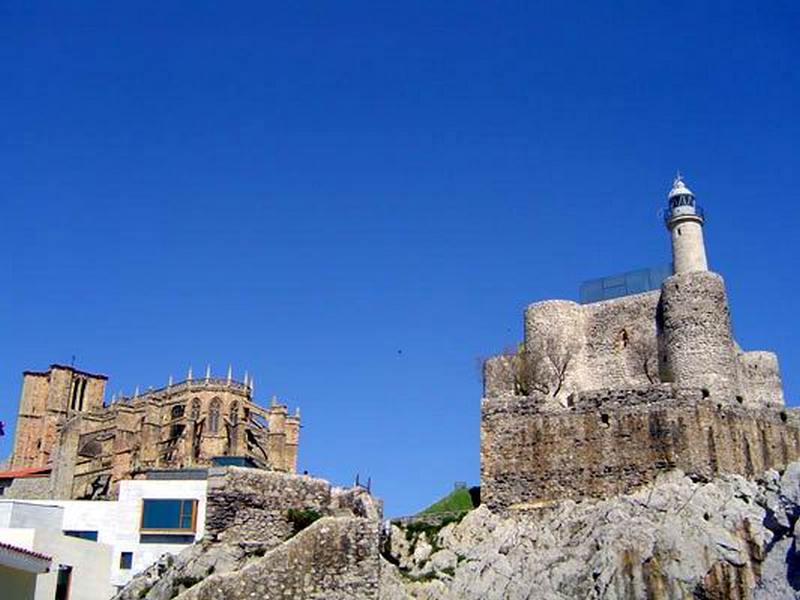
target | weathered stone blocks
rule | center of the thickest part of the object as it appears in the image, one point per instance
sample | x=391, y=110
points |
x=611, y=442
x=251, y=505
x=696, y=333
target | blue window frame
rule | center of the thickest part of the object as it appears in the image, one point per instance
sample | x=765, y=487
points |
x=169, y=515
x=84, y=535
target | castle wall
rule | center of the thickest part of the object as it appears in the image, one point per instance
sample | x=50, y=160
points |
x=555, y=328
x=619, y=333
x=696, y=333
x=252, y=505
x=760, y=379
x=607, y=343
x=498, y=375
x=613, y=441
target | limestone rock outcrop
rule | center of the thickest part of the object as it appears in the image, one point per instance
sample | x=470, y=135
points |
x=729, y=538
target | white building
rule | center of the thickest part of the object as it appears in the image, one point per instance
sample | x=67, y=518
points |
x=105, y=543
x=19, y=569
x=79, y=569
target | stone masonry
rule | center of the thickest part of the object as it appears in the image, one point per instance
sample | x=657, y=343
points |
x=334, y=559
x=255, y=547
x=251, y=505
x=65, y=424
x=600, y=398
x=705, y=406
x=611, y=442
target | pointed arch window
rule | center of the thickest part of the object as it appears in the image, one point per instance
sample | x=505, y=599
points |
x=213, y=415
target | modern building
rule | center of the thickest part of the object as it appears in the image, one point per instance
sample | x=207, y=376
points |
x=19, y=569
x=77, y=569
x=100, y=545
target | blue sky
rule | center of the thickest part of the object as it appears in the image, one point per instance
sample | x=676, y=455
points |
x=355, y=202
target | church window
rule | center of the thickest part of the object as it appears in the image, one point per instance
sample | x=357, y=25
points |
x=77, y=393
x=177, y=411
x=213, y=415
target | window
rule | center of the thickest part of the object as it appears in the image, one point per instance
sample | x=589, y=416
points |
x=169, y=515
x=177, y=411
x=84, y=535
x=126, y=560
x=78, y=392
x=213, y=415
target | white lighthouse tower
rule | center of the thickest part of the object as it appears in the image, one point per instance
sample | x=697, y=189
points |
x=684, y=220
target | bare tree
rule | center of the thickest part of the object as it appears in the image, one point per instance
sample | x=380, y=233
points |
x=544, y=367
x=644, y=352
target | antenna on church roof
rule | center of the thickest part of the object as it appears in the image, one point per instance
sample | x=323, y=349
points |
x=189, y=374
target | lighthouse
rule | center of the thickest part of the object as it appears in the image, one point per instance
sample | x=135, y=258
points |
x=684, y=220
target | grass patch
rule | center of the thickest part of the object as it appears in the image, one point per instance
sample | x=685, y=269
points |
x=456, y=501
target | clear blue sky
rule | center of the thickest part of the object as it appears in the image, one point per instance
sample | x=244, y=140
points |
x=354, y=202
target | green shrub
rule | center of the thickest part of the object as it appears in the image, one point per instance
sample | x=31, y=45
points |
x=300, y=518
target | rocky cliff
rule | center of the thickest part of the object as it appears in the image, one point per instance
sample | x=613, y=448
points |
x=729, y=538
x=726, y=539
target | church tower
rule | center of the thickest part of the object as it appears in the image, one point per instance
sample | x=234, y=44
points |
x=684, y=220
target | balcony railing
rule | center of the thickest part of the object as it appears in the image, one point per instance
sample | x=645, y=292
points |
x=669, y=213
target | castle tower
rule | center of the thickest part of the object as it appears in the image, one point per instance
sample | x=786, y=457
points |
x=684, y=220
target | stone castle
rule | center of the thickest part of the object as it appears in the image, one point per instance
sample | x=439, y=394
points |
x=65, y=426
x=602, y=397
